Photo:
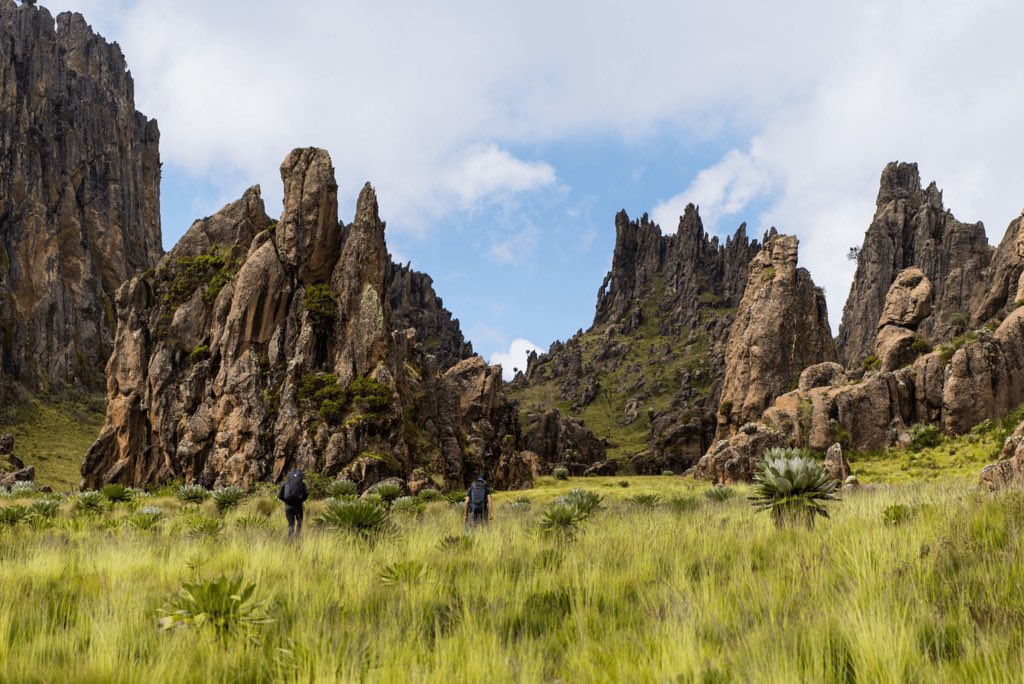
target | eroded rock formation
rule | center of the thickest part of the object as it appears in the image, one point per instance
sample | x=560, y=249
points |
x=256, y=347
x=911, y=228
x=781, y=328
x=907, y=304
x=79, y=195
x=1009, y=470
x=655, y=355
x=953, y=389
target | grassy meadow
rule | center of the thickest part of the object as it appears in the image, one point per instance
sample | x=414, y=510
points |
x=908, y=583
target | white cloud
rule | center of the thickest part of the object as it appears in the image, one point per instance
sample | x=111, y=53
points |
x=936, y=84
x=430, y=100
x=484, y=172
x=515, y=357
x=722, y=190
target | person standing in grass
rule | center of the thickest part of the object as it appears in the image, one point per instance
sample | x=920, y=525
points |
x=478, y=503
x=293, y=493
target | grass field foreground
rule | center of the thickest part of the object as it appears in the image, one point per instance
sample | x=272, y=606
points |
x=920, y=583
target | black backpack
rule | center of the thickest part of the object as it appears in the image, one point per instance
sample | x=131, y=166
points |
x=478, y=497
x=293, y=487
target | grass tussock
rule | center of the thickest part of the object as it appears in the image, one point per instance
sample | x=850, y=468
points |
x=901, y=584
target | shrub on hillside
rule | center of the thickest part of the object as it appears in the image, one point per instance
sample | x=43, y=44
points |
x=560, y=473
x=45, y=508
x=924, y=436
x=649, y=500
x=12, y=515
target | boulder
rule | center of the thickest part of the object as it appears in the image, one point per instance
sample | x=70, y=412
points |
x=1009, y=469
x=515, y=470
x=827, y=374
x=894, y=347
x=603, y=468
x=836, y=464
x=555, y=437
x=737, y=459
x=7, y=480
x=908, y=301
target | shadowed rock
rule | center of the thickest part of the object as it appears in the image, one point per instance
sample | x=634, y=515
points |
x=79, y=195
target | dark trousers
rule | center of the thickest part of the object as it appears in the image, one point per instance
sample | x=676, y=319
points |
x=294, y=515
x=478, y=517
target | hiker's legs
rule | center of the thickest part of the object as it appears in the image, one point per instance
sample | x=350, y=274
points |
x=289, y=513
x=298, y=521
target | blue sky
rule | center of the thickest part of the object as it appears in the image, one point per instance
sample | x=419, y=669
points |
x=503, y=137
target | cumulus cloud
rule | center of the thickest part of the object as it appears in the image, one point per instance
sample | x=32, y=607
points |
x=485, y=172
x=430, y=100
x=514, y=357
x=722, y=190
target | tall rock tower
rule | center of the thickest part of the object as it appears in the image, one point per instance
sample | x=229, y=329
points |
x=79, y=196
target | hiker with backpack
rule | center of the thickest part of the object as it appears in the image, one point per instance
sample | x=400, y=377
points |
x=293, y=493
x=478, y=503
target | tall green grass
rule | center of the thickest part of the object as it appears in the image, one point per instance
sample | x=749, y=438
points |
x=709, y=591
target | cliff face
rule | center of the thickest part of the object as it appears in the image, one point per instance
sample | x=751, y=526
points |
x=255, y=347
x=911, y=228
x=781, y=329
x=416, y=305
x=648, y=373
x=79, y=195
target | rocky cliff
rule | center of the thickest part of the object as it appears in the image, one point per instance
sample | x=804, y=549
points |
x=79, y=195
x=911, y=228
x=781, y=329
x=647, y=375
x=257, y=346
x=932, y=329
x=415, y=305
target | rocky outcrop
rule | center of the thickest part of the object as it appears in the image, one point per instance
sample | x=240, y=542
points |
x=256, y=347
x=736, y=459
x=911, y=228
x=953, y=389
x=1005, y=274
x=561, y=439
x=414, y=304
x=836, y=465
x=12, y=469
x=79, y=195
x=655, y=354
x=908, y=303
x=1009, y=469
x=781, y=329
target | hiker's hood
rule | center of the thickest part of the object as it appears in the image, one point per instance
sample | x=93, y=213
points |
x=296, y=475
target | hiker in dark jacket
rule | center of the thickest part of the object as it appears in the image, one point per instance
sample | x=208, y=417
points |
x=478, y=503
x=293, y=493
